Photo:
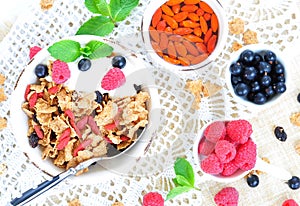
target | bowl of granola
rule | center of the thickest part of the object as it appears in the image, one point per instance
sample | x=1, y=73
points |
x=79, y=96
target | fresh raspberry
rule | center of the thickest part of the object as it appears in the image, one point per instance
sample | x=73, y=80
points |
x=215, y=131
x=290, y=202
x=245, y=157
x=225, y=151
x=153, y=199
x=239, y=131
x=229, y=169
x=205, y=147
x=60, y=72
x=33, y=51
x=211, y=164
x=113, y=79
x=228, y=196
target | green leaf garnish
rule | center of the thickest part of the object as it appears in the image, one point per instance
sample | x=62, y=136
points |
x=183, y=167
x=177, y=191
x=65, y=50
x=181, y=180
x=69, y=50
x=98, y=7
x=120, y=9
x=98, y=25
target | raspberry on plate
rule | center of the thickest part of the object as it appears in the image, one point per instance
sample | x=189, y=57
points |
x=205, y=147
x=290, y=202
x=225, y=151
x=212, y=164
x=153, y=199
x=60, y=72
x=239, y=131
x=228, y=196
x=245, y=157
x=33, y=51
x=229, y=169
x=215, y=131
x=113, y=79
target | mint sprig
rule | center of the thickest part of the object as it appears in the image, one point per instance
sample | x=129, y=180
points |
x=70, y=50
x=109, y=14
x=184, y=180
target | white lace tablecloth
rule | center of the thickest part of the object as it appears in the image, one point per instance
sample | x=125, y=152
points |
x=276, y=22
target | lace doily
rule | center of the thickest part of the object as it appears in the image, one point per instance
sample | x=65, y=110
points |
x=275, y=22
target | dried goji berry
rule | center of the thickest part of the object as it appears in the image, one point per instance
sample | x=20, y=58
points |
x=124, y=138
x=74, y=126
x=183, y=31
x=207, y=16
x=69, y=114
x=156, y=17
x=156, y=48
x=171, y=50
x=38, y=131
x=167, y=10
x=107, y=140
x=176, y=38
x=66, y=133
x=173, y=2
x=208, y=35
x=154, y=35
x=193, y=17
x=161, y=26
x=211, y=44
x=40, y=94
x=191, y=1
x=110, y=126
x=27, y=90
x=176, y=8
x=32, y=100
x=184, y=61
x=214, y=22
x=171, y=60
x=200, y=58
x=189, y=8
x=163, y=44
x=94, y=127
x=169, y=30
x=82, y=146
x=201, y=47
x=200, y=12
x=190, y=24
x=63, y=143
x=203, y=23
x=181, y=16
x=198, y=31
x=191, y=48
x=170, y=21
x=53, y=90
x=193, y=38
x=180, y=48
x=206, y=7
x=82, y=122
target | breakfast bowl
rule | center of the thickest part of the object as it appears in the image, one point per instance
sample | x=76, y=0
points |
x=56, y=104
x=258, y=76
x=225, y=151
x=184, y=35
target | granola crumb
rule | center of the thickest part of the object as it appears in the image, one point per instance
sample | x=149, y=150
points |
x=117, y=204
x=74, y=202
x=46, y=4
x=236, y=46
x=2, y=79
x=236, y=26
x=3, y=123
x=295, y=119
x=2, y=95
x=198, y=89
x=3, y=168
x=250, y=37
x=297, y=147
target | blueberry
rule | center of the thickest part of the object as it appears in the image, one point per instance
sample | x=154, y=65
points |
x=257, y=58
x=298, y=98
x=259, y=98
x=280, y=87
x=279, y=68
x=270, y=91
x=241, y=89
x=118, y=61
x=84, y=64
x=255, y=86
x=264, y=67
x=250, y=96
x=236, y=79
x=33, y=140
x=138, y=88
x=250, y=73
x=236, y=69
x=294, y=183
x=252, y=180
x=41, y=70
x=265, y=81
x=280, y=133
x=280, y=78
x=99, y=97
x=270, y=56
x=247, y=57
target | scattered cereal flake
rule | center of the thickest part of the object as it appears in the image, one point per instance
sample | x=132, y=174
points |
x=3, y=168
x=212, y=89
x=74, y=202
x=236, y=46
x=236, y=26
x=117, y=204
x=2, y=79
x=198, y=89
x=250, y=37
x=297, y=147
x=2, y=95
x=295, y=119
x=3, y=123
x=46, y=4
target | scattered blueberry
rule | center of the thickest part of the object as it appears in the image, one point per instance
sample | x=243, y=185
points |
x=252, y=180
x=33, y=140
x=298, y=98
x=280, y=133
x=118, y=61
x=84, y=64
x=99, y=97
x=294, y=183
x=41, y=70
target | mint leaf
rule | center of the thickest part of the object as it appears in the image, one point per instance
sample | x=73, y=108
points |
x=98, y=7
x=182, y=181
x=98, y=25
x=65, y=50
x=177, y=191
x=183, y=167
x=98, y=49
x=120, y=9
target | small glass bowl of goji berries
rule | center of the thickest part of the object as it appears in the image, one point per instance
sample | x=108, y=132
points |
x=257, y=75
x=184, y=34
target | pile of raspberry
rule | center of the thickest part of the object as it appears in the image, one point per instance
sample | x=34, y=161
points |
x=227, y=147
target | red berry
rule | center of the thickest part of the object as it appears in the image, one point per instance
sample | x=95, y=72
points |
x=215, y=131
x=33, y=51
x=229, y=169
x=245, y=157
x=205, y=147
x=225, y=151
x=290, y=202
x=153, y=199
x=239, y=131
x=60, y=72
x=228, y=196
x=212, y=164
x=113, y=79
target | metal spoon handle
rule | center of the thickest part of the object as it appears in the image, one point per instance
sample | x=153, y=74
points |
x=41, y=188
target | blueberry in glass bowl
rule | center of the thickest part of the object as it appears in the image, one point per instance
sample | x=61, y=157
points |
x=257, y=75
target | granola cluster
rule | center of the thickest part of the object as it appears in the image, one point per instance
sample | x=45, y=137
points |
x=71, y=127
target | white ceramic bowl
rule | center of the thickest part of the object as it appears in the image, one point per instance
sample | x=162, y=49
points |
x=156, y=59
x=135, y=71
x=284, y=59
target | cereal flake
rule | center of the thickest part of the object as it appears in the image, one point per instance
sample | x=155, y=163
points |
x=3, y=123
x=2, y=79
x=2, y=95
x=46, y=4
x=295, y=119
x=250, y=37
x=236, y=46
x=236, y=26
x=198, y=89
x=74, y=202
x=117, y=204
